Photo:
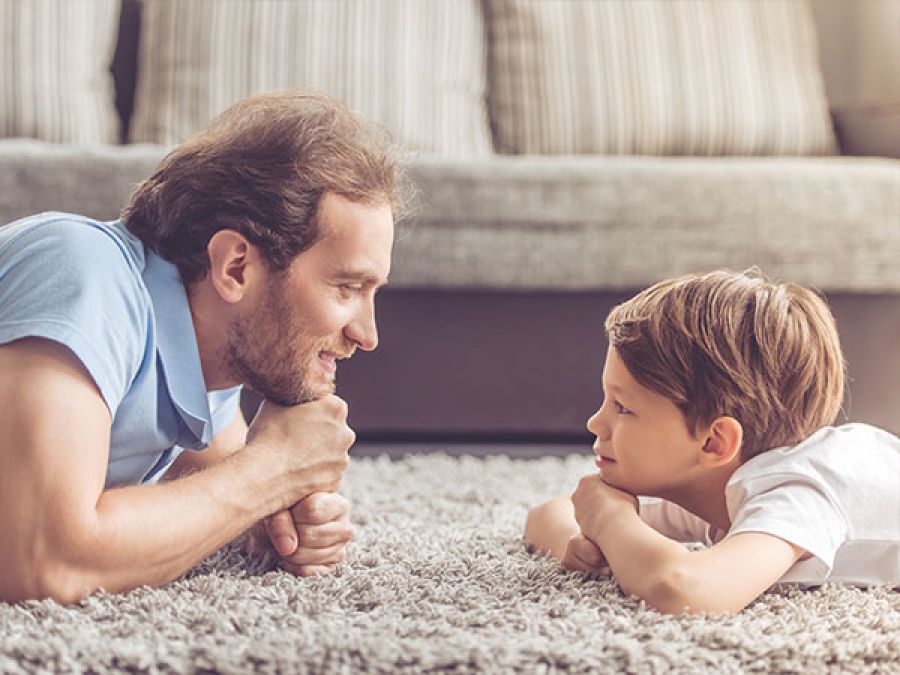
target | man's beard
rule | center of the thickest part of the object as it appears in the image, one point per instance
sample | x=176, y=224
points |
x=266, y=350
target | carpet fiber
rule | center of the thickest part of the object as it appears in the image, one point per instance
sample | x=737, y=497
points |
x=439, y=580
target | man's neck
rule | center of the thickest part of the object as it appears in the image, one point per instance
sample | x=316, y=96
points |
x=211, y=332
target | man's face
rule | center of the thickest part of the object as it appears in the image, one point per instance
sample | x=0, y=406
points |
x=643, y=443
x=319, y=310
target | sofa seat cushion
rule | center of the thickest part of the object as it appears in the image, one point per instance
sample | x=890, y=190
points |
x=657, y=77
x=415, y=66
x=614, y=222
x=94, y=180
x=568, y=222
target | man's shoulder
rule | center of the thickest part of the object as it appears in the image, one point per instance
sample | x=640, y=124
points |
x=77, y=282
x=71, y=239
x=62, y=271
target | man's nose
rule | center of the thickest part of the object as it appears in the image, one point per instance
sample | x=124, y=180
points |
x=362, y=330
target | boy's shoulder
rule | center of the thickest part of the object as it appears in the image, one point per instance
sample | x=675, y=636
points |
x=851, y=446
x=842, y=465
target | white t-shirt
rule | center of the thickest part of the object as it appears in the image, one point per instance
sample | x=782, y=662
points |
x=836, y=495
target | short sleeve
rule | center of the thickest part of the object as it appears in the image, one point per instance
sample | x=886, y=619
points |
x=673, y=521
x=793, y=508
x=72, y=282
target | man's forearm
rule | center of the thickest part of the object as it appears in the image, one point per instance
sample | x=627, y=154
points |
x=152, y=534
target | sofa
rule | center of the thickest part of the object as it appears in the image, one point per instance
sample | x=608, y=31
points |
x=565, y=154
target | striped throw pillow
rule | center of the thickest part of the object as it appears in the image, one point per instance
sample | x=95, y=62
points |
x=416, y=66
x=54, y=68
x=661, y=77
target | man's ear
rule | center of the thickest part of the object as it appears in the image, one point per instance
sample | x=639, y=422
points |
x=723, y=441
x=232, y=261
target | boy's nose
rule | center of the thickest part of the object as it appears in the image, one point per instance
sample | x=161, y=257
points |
x=597, y=427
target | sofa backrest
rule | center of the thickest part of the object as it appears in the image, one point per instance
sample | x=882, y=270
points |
x=859, y=53
x=125, y=62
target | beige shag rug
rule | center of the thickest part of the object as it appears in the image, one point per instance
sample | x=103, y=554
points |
x=439, y=580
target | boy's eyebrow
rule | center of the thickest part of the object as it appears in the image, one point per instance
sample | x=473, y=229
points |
x=616, y=389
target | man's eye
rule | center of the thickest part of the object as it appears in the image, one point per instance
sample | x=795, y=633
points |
x=350, y=289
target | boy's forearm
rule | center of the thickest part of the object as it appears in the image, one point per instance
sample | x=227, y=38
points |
x=642, y=560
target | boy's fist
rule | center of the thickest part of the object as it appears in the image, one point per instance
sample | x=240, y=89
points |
x=582, y=555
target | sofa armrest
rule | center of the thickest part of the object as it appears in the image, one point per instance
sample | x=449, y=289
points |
x=869, y=130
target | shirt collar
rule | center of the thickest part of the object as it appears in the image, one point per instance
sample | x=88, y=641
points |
x=176, y=344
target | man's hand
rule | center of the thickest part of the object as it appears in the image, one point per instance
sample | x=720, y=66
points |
x=582, y=555
x=596, y=502
x=311, y=538
x=310, y=440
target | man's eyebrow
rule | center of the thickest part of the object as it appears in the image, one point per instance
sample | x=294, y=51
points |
x=361, y=276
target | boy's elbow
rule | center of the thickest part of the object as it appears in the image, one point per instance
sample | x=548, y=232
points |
x=675, y=589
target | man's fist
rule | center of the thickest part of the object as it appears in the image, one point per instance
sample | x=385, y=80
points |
x=311, y=538
x=310, y=441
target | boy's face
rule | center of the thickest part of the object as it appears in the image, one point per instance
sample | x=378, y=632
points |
x=643, y=443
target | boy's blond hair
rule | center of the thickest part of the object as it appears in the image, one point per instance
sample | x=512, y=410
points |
x=736, y=344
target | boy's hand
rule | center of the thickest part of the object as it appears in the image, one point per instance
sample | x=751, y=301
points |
x=582, y=555
x=597, y=502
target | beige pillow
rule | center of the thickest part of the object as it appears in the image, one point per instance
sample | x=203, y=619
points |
x=416, y=66
x=661, y=77
x=54, y=65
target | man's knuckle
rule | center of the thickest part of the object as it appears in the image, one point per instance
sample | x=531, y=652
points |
x=303, y=537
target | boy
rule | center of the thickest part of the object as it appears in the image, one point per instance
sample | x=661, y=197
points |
x=719, y=389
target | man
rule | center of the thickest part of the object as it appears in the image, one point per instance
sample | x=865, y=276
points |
x=252, y=256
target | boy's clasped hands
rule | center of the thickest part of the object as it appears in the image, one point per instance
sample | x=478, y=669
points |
x=597, y=505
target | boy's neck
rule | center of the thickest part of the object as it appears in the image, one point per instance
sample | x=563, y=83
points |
x=705, y=496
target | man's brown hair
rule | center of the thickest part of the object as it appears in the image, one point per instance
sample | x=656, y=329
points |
x=262, y=168
x=735, y=344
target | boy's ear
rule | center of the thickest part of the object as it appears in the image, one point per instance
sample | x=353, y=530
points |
x=724, y=438
x=232, y=264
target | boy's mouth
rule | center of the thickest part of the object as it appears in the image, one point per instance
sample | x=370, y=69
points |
x=602, y=460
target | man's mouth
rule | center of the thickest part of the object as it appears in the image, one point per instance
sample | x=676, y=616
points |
x=329, y=360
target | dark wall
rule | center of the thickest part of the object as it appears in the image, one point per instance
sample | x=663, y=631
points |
x=506, y=366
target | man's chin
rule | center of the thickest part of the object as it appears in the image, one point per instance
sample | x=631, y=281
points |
x=318, y=392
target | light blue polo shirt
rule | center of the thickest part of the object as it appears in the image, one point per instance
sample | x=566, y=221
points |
x=123, y=311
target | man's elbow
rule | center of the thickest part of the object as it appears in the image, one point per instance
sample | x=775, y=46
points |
x=48, y=563
x=63, y=583
x=44, y=579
